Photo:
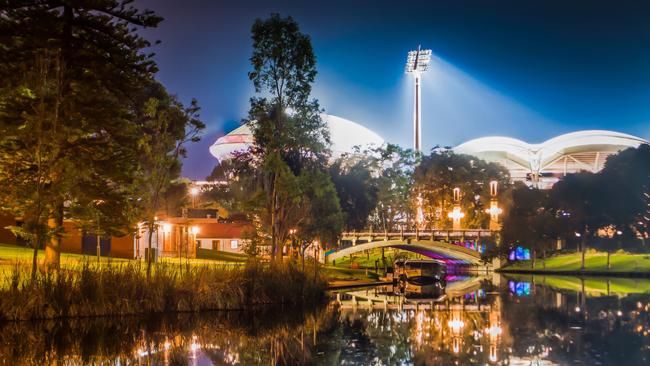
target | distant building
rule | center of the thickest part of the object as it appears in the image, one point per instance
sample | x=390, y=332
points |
x=544, y=164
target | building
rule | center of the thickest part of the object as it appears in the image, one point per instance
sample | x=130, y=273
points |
x=345, y=135
x=182, y=236
x=544, y=164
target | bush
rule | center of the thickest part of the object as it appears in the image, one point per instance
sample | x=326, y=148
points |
x=125, y=290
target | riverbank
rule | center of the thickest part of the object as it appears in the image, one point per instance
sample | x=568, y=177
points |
x=621, y=265
x=592, y=285
x=125, y=289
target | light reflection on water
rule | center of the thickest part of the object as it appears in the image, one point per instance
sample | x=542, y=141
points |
x=472, y=321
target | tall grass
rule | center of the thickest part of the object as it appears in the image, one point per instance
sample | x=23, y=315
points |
x=124, y=289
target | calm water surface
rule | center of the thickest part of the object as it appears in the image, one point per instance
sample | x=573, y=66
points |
x=474, y=320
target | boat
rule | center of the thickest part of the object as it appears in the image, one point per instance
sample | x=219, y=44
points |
x=420, y=272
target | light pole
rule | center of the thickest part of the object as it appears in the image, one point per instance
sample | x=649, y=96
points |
x=456, y=215
x=494, y=209
x=167, y=228
x=417, y=62
x=99, y=247
x=194, y=191
x=194, y=230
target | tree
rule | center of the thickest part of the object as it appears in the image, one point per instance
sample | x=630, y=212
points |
x=529, y=221
x=581, y=200
x=356, y=189
x=394, y=167
x=626, y=179
x=69, y=72
x=442, y=171
x=168, y=126
x=290, y=139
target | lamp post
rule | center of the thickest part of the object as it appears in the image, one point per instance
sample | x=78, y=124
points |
x=456, y=214
x=167, y=228
x=494, y=209
x=99, y=247
x=194, y=191
x=194, y=230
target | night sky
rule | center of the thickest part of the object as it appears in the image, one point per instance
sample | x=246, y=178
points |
x=525, y=69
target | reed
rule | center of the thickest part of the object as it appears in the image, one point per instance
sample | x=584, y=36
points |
x=125, y=289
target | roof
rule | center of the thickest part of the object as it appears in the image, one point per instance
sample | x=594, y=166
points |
x=344, y=134
x=222, y=230
x=539, y=155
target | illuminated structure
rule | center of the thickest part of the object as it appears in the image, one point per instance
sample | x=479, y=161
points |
x=494, y=209
x=417, y=62
x=543, y=164
x=345, y=135
x=456, y=215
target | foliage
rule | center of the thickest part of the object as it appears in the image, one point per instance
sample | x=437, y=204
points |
x=442, y=171
x=529, y=221
x=70, y=114
x=356, y=189
x=280, y=182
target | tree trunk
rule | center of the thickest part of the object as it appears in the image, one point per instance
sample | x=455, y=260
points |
x=609, y=265
x=149, y=240
x=532, y=259
x=35, y=244
x=52, y=246
x=544, y=258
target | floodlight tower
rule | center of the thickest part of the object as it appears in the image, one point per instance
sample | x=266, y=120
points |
x=417, y=62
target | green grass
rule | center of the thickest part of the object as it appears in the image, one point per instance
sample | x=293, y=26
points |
x=594, y=262
x=367, y=260
x=12, y=254
x=220, y=255
x=332, y=273
x=594, y=286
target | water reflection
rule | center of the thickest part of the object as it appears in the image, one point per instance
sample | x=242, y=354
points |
x=470, y=321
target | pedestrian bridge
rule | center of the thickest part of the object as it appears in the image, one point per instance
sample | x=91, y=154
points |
x=437, y=244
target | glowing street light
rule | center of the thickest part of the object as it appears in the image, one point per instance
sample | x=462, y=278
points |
x=456, y=215
x=194, y=191
x=417, y=62
x=494, y=209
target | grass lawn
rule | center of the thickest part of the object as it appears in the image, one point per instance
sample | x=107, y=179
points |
x=594, y=286
x=10, y=255
x=346, y=274
x=367, y=260
x=595, y=262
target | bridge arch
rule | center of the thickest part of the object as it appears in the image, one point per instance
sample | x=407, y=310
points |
x=449, y=253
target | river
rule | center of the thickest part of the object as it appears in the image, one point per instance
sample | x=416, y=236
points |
x=473, y=320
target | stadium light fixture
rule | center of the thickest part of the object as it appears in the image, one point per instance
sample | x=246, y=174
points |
x=417, y=62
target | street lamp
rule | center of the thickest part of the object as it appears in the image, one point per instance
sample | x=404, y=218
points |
x=194, y=191
x=417, y=62
x=99, y=247
x=194, y=230
x=167, y=228
x=456, y=215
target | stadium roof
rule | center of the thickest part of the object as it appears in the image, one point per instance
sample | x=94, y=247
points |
x=344, y=134
x=568, y=153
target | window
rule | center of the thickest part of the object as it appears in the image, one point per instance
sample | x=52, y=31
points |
x=216, y=244
x=233, y=244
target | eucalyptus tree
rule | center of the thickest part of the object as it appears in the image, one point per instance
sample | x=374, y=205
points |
x=290, y=138
x=167, y=126
x=67, y=117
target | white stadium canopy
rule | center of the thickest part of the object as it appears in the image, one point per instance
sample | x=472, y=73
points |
x=344, y=134
x=544, y=163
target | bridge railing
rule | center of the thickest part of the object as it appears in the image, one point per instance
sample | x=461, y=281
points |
x=466, y=233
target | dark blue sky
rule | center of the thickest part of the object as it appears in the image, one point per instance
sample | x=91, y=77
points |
x=526, y=69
